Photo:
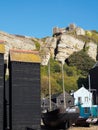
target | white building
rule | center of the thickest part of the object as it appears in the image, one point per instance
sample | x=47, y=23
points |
x=83, y=96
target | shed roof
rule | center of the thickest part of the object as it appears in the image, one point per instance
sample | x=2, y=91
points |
x=2, y=48
x=25, y=56
x=61, y=95
x=82, y=90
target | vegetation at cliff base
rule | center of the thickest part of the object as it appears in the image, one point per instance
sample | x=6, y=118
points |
x=75, y=74
x=82, y=61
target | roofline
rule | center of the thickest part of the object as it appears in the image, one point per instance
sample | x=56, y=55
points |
x=2, y=52
x=24, y=51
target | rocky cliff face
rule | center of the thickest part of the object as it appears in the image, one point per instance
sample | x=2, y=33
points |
x=64, y=45
x=66, y=41
x=16, y=42
x=60, y=46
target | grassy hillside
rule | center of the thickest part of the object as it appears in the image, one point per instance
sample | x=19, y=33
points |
x=75, y=73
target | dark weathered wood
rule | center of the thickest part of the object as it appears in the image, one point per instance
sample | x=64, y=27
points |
x=1, y=91
x=25, y=111
x=94, y=83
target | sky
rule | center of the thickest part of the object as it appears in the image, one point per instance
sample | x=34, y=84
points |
x=36, y=18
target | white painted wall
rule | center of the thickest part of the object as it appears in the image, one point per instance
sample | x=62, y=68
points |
x=86, y=97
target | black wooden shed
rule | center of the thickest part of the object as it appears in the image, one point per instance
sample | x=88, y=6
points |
x=59, y=99
x=2, y=50
x=24, y=75
x=93, y=80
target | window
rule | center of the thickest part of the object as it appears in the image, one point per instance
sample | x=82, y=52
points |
x=79, y=100
x=62, y=101
x=86, y=99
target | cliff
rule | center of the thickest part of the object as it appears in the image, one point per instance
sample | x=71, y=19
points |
x=63, y=43
x=16, y=42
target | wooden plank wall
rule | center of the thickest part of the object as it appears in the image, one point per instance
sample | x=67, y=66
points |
x=25, y=108
x=1, y=90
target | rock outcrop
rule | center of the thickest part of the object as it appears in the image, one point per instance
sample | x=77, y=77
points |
x=67, y=45
x=63, y=43
x=16, y=42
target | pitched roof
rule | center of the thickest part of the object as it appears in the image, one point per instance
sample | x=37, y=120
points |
x=2, y=48
x=61, y=95
x=82, y=89
x=25, y=56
